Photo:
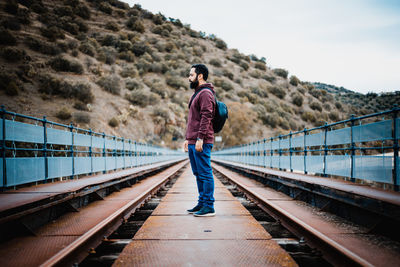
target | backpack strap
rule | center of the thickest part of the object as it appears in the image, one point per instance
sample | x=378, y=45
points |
x=195, y=94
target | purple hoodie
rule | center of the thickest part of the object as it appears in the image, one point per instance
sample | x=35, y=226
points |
x=201, y=112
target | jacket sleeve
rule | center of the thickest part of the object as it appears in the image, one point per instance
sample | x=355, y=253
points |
x=206, y=103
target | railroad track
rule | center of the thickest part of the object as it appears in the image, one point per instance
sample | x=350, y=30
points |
x=110, y=213
x=338, y=253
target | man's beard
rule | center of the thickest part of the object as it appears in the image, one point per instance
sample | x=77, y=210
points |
x=193, y=85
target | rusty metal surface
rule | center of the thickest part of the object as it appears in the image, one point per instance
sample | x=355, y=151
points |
x=60, y=234
x=191, y=227
x=363, y=190
x=204, y=253
x=15, y=198
x=179, y=208
x=171, y=237
x=346, y=238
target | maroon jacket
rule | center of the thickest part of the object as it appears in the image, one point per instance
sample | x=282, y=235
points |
x=201, y=112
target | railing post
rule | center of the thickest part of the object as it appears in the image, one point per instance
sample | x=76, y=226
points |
x=90, y=151
x=130, y=153
x=325, y=148
x=280, y=151
x=71, y=127
x=353, y=150
x=305, y=150
x=396, y=173
x=264, y=153
x=115, y=153
x=272, y=153
x=123, y=151
x=104, y=153
x=3, y=145
x=46, y=164
x=290, y=151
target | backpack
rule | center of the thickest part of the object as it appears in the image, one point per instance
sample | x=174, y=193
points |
x=221, y=112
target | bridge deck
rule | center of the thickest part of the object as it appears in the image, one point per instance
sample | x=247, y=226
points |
x=171, y=237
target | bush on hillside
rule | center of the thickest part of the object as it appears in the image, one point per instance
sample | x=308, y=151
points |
x=53, y=86
x=64, y=114
x=315, y=106
x=140, y=48
x=52, y=33
x=281, y=72
x=135, y=24
x=294, y=80
x=297, y=99
x=227, y=74
x=12, y=54
x=132, y=84
x=244, y=65
x=220, y=44
x=260, y=65
x=308, y=116
x=259, y=91
x=215, y=62
x=142, y=98
x=7, y=38
x=175, y=82
x=60, y=63
x=87, y=48
x=111, y=83
x=107, y=55
x=105, y=7
x=129, y=70
x=277, y=91
x=327, y=107
x=334, y=116
x=112, y=26
x=81, y=117
x=113, y=122
x=11, y=23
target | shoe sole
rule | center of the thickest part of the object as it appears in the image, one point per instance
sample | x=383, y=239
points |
x=205, y=215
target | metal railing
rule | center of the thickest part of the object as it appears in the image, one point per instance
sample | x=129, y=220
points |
x=365, y=147
x=42, y=150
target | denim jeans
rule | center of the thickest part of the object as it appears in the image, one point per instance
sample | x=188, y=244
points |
x=201, y=168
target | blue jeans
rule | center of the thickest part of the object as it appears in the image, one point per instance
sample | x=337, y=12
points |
x=201, y=168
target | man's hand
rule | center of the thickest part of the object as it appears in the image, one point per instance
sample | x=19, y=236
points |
x=199, y=145
x=185, y=146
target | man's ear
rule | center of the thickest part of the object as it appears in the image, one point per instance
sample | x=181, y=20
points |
x=200, y=76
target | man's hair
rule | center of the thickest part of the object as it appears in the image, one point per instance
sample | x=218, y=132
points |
x=201, y=68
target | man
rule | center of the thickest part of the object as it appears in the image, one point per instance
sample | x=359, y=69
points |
x=200, y=138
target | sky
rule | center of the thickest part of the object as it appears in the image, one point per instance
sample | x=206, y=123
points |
x=349, y=43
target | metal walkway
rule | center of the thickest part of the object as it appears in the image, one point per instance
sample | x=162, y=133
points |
x=171, y=237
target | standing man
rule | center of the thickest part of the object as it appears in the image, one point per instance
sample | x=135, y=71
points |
x=200, y=138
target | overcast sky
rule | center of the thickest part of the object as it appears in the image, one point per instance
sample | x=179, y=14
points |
x=349, y=43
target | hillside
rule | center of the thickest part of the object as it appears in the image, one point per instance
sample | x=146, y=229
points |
x=106, y=66
x=366, y=103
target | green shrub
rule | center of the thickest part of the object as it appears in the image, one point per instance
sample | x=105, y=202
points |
x=271, y=120
x=111, y=83
x=132, y=84
x=60, y=63
x=64, y=114
x=281, y=72
x=244, y=65
x=82, y=10
x=158, y=19
x=113, y=122
x=53, y=86
x=277, y=91
x=42, y=47
x=293, y=125
x=334, y=116
x=215, y=62
x=6, y=38
x=139, y=48
x=11, y=23
x=109, y=40
x=112, y=26
x=268, y=78
x=301, y=90
x=297, y=99
x=315, y=92
x=88, y=49
x=308, y=116
x=294, y=80
x=327, y=107
x=124, y=46
x=79, y=105
x=259, y=91
x=128, y=71
x=338, y=105
x=316, y=106
x=107, y=54
x=105, y=7
x=220, y=44
x=228, y=74
x=255, y=74
x=226, y=85
x=81, y=117
x=260, y=65
x=135, y=25
x=12, y=54
x=142, y=98
x=175, y=82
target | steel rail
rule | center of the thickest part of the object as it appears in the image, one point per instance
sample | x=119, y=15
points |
x=333, y=251
x=79, y=248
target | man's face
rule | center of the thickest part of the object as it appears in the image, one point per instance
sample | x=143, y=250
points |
x=193, y=79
